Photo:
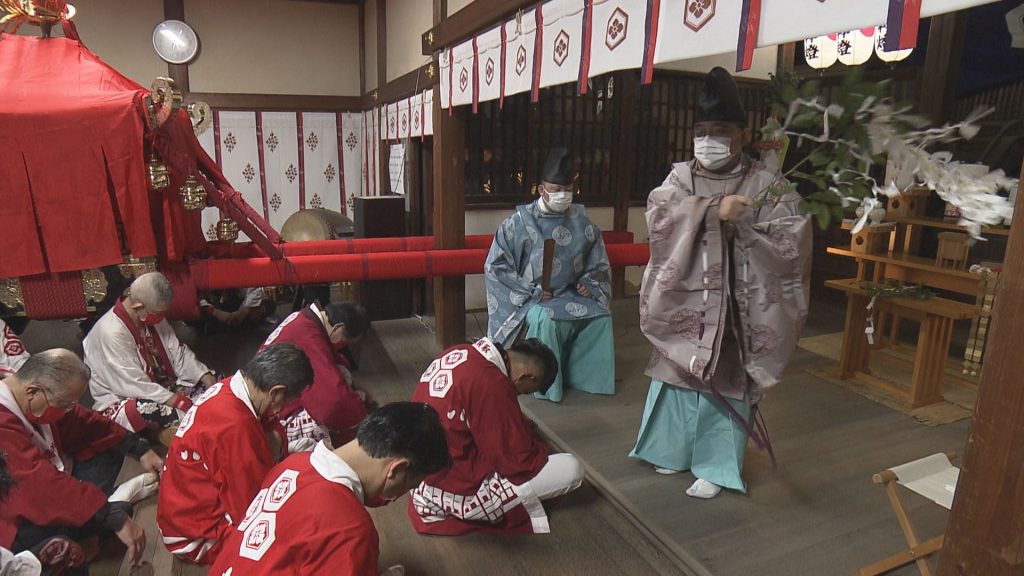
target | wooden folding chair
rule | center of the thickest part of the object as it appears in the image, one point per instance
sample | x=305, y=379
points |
x=918, y=551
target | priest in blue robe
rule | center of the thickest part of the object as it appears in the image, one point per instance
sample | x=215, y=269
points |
x=572, y=317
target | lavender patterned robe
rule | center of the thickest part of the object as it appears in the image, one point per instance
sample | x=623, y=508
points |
x=686, y=291
x=515, y=264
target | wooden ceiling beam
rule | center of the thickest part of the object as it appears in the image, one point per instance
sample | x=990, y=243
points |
x=476, y=17
x=284, y=102
x=408, y=84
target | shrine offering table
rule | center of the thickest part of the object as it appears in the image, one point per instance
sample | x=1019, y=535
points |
x=912, y=270
x=936, y=316
x=907, y=238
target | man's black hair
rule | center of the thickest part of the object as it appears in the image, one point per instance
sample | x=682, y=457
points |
x=541, y=357
x=281, y=364
x=409, y=430
x=6, y=482
x=353, y=316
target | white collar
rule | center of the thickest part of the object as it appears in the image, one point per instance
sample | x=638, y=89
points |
x=322, y=315
x=487, y=348
x=334, y=469
x=43, y=436
x=241, y=391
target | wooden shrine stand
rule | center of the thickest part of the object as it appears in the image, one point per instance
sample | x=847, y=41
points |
x=884, y=253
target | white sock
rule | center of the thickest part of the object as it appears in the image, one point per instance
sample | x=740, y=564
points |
x=136, y=489
x=396, y=570
x=703, y=489
x=666, y=471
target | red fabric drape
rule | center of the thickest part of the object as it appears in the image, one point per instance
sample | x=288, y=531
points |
x=70, y=146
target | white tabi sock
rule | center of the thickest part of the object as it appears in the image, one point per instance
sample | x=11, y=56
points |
x=666, y=471
x=703, y=489
x=136, y=489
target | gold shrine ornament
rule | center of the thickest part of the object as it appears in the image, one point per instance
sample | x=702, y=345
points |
x=193, y=194
x=94, y=287
x=159, y=178
x=133, y=267
x=227, y=230
x=10, y=294
x=42, y=13
x=165, y=99
x=201, y=115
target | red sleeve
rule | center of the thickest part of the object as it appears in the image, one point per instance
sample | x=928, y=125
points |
x=502, y=433
x=330, y=400
x=85, y=433
x=42, y=494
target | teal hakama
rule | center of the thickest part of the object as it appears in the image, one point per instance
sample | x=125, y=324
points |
x=688, y=430
x=585, y=350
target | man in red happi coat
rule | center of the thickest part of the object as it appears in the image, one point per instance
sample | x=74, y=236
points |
x=501, y=470
x=333, y=406
x=309, y=517
x=64, y=460
x=225, y=445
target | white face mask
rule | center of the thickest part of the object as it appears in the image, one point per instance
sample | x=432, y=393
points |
x=712, y=152
x=559, y=201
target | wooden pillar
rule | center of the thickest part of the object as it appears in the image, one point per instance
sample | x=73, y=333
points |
x=175, y=10
x=941, y=64
x=622, y=162
x=986, y=525
x=362, y=48
x=449, y=218
x=785, y=58
x=384, y=150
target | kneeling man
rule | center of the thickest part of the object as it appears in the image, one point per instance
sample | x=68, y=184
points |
x=224, y=447
x=334, y=405
x=143, y=377
x=64, y=460
x=572, y=317
x=501, y=469
x=309, y=518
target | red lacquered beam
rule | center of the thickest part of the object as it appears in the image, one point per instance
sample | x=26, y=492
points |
x=628, y=254
x=216, y=274
x=239, y=273
x=408, y=244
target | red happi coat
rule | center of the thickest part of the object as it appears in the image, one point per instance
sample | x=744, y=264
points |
x=330, y=400
x=491, y=442
x=42, y=493
x=308, y=518
x=216, y=462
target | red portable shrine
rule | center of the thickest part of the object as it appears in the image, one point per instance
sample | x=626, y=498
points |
x=102, y=179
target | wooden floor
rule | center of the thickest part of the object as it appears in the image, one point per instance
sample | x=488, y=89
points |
x=818, y=514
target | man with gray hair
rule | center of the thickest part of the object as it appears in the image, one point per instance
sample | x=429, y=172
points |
x=143, y=377
x=63, y=460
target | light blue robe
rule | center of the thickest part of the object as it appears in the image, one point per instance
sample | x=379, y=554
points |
x=513, y=273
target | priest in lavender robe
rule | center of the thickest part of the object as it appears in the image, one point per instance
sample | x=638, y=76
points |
x=723, y=298
x=572, y=317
